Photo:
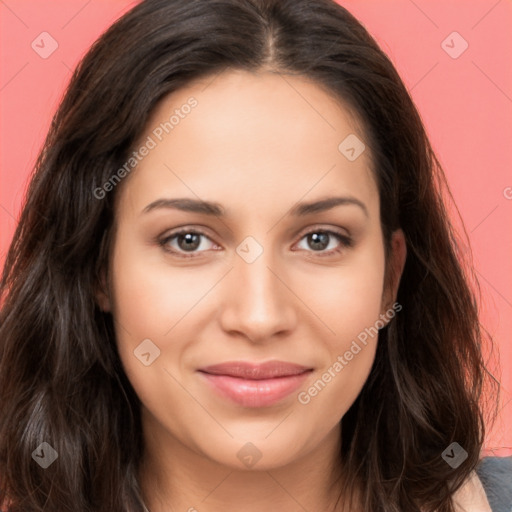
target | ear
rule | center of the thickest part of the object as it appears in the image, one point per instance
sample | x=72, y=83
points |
x=394, y=268
x=102, y=294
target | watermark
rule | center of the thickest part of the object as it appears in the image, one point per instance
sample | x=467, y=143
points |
x=454, y=455
x=146, y=352
x=351, y=147
x=304, y=397
x=454, y=45
x=507, y=192
x=249, y=249
x=44, y=45
x=45, y=455
x=150, y=143
x=249, y=454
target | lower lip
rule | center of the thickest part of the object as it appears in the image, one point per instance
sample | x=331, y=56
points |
x=255, y=393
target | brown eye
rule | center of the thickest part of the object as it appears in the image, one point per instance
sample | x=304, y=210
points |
x=320, y=240
x=189, y=241
x=186, y=241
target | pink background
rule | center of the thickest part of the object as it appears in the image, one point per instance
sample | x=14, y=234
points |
x=465, y=102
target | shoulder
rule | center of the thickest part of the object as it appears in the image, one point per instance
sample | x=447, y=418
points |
x=495, y=474
x=488, y=489
x=471, y=496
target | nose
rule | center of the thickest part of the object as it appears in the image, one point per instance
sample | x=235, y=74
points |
x=257, y=303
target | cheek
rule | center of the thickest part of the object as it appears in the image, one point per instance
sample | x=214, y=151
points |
x=348, y=301
x=349, y=351
x=337, y=386
x=346, y=298
x=150, y=297
x=148, y=303
x=153, y=301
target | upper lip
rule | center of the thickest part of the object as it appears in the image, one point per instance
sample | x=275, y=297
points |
x=255, y=371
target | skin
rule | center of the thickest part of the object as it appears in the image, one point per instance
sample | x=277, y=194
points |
x=257, y=144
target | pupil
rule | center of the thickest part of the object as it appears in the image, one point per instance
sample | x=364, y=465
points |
x=191, y=239
x=319, y=240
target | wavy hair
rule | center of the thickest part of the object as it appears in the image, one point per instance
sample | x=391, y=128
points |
x=61, y=378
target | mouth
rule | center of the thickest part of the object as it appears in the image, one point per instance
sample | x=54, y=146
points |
x=255, y=385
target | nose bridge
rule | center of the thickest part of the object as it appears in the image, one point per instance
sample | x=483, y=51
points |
x=258, y=303
x=257, y=280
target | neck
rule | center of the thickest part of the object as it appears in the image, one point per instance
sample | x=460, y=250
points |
x=176, y=478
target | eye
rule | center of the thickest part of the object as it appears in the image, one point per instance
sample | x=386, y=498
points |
x=186, y=241
x=321, y=239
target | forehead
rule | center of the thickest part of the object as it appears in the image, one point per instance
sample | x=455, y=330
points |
x=246, y=137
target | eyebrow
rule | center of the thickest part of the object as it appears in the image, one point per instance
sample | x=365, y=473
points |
x=187, y=205
x=211, y=208
x=328, y=203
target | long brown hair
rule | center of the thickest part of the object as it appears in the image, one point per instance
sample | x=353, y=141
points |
x=61, y=379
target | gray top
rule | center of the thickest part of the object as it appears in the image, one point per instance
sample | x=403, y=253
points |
x=495, y=473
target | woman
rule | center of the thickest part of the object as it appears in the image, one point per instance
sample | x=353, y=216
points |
x=234, y=285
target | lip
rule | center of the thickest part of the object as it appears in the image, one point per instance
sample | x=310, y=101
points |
x=255, y=385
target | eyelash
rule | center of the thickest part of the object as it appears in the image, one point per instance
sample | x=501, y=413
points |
x=345, y=242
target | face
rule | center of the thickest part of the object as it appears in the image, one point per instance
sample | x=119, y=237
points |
x=285, y=265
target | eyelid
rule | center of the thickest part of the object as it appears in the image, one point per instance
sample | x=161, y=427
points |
x=325, y=229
